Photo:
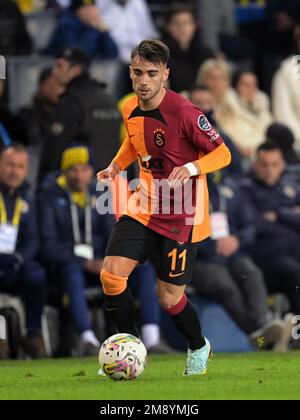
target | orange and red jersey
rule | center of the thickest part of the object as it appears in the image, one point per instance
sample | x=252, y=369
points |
x=174, y=134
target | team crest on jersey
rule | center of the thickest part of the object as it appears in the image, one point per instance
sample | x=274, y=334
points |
x=159, y=137
x=204, y=123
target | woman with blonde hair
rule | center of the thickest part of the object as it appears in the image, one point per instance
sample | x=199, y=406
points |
x=244, y=112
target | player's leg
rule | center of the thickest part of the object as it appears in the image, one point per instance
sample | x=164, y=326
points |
x=127, y=247
x=119, y=301
x=175, y=272
x=173, y=299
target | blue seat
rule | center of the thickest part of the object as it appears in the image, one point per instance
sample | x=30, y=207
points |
x=224, y=335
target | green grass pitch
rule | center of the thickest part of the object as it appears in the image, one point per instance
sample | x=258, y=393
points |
x=246, y=376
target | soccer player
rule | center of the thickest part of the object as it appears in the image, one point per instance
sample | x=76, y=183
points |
x=175, y=145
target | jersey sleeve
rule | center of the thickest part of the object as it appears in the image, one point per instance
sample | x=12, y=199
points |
x=214, y=154
x=198, y=130
x=126, y=154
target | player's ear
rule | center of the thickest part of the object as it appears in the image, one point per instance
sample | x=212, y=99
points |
x=166, y=75
x=130, y=72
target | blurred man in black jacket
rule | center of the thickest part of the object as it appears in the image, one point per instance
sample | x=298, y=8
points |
x=85, y=113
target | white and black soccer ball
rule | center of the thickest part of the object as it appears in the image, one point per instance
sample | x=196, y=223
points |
x=123, y=357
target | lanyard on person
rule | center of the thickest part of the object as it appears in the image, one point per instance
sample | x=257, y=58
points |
x=222, y=203
x=9, y=230
x=17, y=212
x=219, y=218
x=88, y=223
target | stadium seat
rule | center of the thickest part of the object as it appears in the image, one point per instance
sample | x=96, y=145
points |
x=41, y=26
x=224, y=335
x=105, y=71
x=15, y=303
x=23, y=74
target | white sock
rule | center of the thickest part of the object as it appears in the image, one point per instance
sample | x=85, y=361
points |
x=89, y=337
x=150, y=335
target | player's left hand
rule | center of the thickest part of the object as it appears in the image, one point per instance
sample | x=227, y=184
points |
x=179, y=176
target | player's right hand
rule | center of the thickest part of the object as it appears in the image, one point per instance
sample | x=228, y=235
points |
x=109, y=173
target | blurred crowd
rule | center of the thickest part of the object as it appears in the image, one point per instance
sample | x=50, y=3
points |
x=238, y=61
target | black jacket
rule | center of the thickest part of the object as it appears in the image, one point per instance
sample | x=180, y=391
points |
x=14, y=38
x=184, y=64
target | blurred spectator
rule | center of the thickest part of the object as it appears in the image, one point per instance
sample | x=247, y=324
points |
x=216, y=18
x=286, y=92
x=276, y=201
x=11, y=129
x=276, y=37
x=219, y=30
x=282, y=18
x=202, y=97
x=14, y=38
x=283, y=137
x=85, y=113
x=83, y=27
x=36, y=118
x=225, y=272
x=31, y=6
x=19, y=245
x=216, y=75
x=74, y=236
x=184, y=40
x=58, y=4
x=243, y=113
x=252, y=115
x=129, y=22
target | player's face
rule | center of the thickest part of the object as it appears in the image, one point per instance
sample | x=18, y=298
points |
x=147, y=78
x=79, y=177
x=270, y=166
x=13, y=168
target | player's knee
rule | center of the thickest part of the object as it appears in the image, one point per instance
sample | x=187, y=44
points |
x=168, y=300
x=119, y=266
x=112, y=284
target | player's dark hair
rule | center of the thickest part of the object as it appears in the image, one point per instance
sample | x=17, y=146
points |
x=151, y=50
x=268, y=146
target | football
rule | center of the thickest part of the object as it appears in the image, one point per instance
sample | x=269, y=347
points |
x=123, y=357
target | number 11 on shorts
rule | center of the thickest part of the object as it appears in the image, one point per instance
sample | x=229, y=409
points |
x=176, y=258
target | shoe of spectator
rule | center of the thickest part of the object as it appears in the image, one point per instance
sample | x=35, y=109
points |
x=161, y=348
x=282, y=345
x=269, y=334
x=34, y=347
x=4, y=350
x=89, y=350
